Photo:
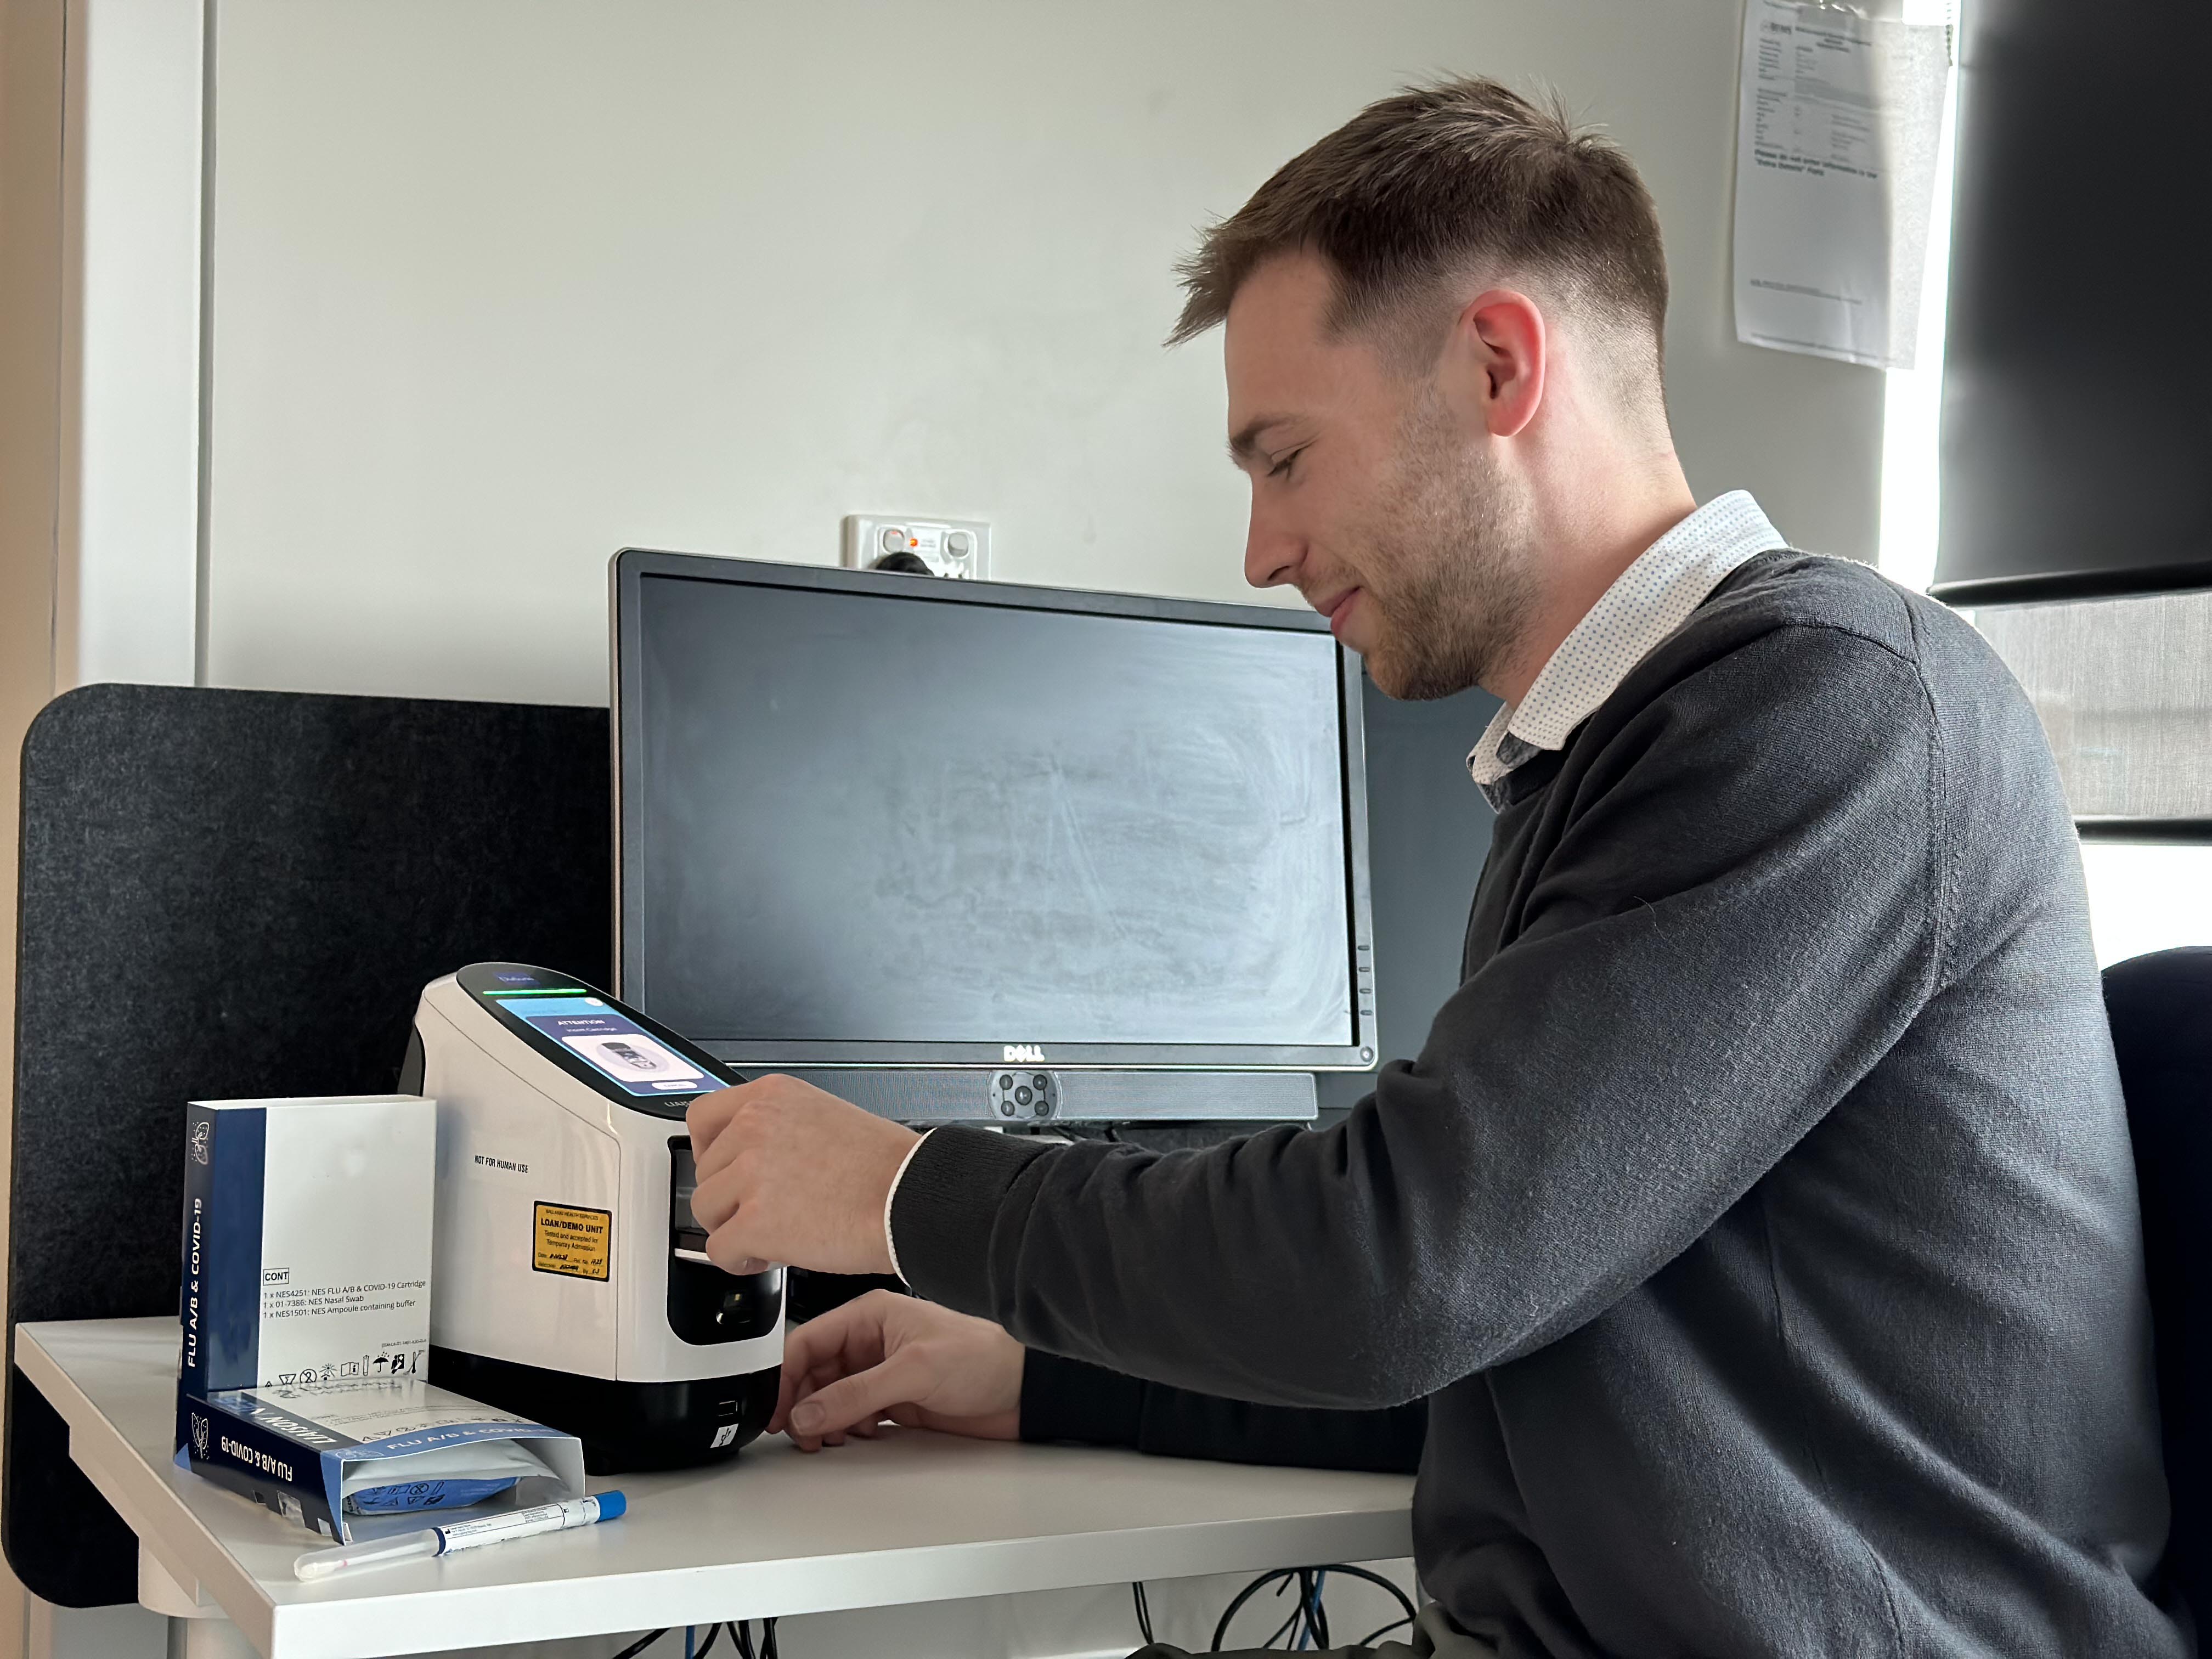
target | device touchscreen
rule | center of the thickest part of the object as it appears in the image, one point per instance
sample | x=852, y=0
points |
x=609, y=1042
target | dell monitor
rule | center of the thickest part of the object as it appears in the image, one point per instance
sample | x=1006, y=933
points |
x=967, y=849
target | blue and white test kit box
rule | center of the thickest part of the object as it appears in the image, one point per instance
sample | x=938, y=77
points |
x=306, y=1315
x=361, y=1458
x=306, y=1241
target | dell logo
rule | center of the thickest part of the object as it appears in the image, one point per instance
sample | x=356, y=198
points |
x=1024, y=1054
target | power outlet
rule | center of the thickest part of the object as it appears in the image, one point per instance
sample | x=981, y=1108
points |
x=959, y=547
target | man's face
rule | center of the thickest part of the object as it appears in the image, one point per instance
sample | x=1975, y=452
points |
x=1383, y=504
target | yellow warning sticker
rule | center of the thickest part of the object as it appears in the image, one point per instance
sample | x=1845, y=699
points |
x=577, y=1243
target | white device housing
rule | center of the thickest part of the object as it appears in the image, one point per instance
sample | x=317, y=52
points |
x=515, y=1130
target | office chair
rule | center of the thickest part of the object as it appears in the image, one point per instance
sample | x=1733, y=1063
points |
x=2161, y=1008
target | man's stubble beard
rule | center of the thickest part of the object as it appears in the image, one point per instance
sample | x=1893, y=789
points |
x=1451, y=540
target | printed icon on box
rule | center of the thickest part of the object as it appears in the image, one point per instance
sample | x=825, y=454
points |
x=200, y=1435
x=723, y=1435
x=201, y=1130
x=351, y=1368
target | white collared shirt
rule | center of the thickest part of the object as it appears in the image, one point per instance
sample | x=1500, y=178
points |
x=1646, y=603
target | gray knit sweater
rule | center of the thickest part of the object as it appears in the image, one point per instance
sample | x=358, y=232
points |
x=1759, y=1218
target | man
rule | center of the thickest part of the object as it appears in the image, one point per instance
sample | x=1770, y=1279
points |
x=1759, y=1221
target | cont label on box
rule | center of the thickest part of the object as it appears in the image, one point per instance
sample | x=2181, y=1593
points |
x=578, y=1242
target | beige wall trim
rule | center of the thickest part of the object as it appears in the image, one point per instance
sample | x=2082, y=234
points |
x=32, y=35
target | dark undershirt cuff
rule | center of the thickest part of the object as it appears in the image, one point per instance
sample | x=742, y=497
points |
x=1068, y=1400
x=946, y=1207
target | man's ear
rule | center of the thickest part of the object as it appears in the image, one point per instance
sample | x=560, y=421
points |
x=1500, y=350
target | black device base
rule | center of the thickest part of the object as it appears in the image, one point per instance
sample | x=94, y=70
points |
x=624, y=1426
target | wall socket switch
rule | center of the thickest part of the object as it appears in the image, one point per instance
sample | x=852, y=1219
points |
x=946, y=547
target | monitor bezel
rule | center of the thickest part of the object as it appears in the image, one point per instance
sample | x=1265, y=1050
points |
x=632, y=567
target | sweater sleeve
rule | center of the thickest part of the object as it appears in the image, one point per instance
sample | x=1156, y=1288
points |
x=1068, y=1399
x=1738, y=914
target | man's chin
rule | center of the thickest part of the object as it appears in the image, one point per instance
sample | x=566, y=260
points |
x=1404, y=682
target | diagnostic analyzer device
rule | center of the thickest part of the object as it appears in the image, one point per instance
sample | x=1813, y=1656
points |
x=570, y=1280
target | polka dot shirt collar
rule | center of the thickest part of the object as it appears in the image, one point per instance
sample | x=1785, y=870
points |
x=1649, y=601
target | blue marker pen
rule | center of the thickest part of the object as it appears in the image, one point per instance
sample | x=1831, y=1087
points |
x=461, y=1535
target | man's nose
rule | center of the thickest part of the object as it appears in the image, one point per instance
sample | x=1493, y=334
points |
x=1272, y=551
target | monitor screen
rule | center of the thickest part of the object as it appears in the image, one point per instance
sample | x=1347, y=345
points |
x=864, y=813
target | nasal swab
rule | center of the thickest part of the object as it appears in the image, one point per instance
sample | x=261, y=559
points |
x=461, y=1535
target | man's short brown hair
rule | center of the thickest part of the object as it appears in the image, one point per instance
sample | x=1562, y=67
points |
x=1416, y=190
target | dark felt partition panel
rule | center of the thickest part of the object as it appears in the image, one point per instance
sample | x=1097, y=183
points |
x=230, y=894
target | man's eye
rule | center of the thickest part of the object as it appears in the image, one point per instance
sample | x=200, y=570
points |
x=1282, y=468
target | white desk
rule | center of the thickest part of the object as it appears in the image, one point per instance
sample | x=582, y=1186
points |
x=909, y=1518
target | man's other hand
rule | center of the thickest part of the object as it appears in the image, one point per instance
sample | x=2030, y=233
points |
x=788, y=1173
x=898, y=1358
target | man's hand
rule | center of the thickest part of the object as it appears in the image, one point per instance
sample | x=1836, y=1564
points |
x=788, y=1173
x=897, y=1356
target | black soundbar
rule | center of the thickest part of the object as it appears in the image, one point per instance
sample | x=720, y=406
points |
x=1041, y=1094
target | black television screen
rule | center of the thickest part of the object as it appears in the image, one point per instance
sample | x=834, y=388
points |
x=895, y=819
x=2076, y=426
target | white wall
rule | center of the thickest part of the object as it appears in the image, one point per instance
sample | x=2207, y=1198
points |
x=499, y=287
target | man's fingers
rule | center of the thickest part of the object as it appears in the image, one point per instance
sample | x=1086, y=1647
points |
x=849, y=1337
x=709, y=1117
x=787, y=1391
x=714, y=1199
x=793, y=1386
x=706, y=1118
x=735, y=1224
x=856, y=1326
x=865, y=1395
x=729, y=1248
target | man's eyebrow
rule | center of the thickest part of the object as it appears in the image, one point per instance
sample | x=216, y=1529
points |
x=1245, y=443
